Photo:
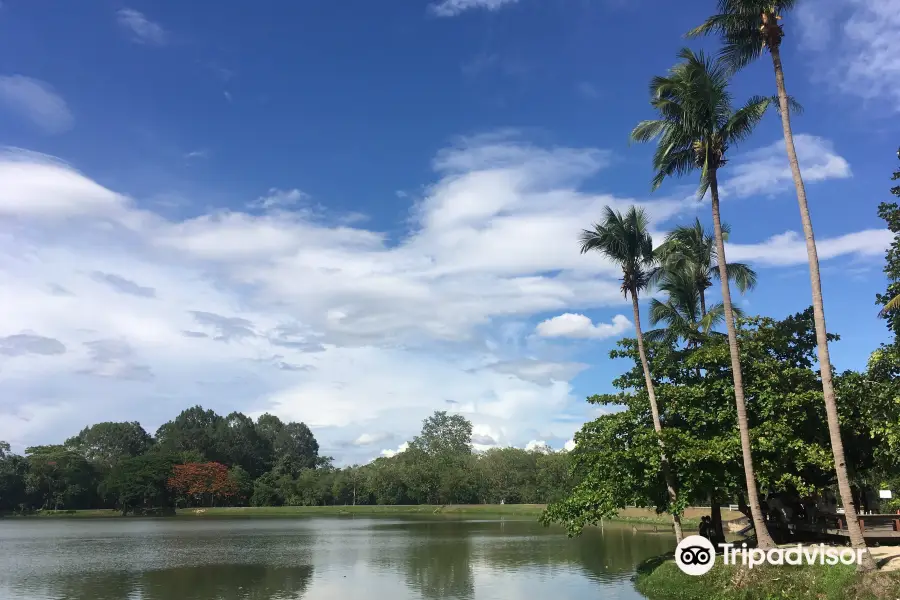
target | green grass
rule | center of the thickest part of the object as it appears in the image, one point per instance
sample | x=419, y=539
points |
x=660, y=579
x=530, y=511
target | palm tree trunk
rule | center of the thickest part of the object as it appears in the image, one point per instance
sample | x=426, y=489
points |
x=763, y=539
x=834, y=424
x=702, y=302
x=657, y=426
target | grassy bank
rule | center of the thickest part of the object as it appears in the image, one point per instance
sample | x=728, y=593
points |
x=660, y=579
x=636, y=516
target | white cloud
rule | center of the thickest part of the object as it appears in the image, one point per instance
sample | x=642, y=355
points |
x=571, y=325
x=36, y=185
x=452, y=8
x=569, y=446
x=389, y=453
x=854, y=46
x=277, y=198
x=789, y=248
x=538, y=446
x=367, y=439
x=341, y=326
x=766, y=170
x=142, y=29
x=37, y=102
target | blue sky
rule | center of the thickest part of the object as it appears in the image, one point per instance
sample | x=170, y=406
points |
x=355, y=213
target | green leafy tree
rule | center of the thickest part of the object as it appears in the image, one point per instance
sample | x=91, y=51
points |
x=139, y=484
x=13, y=471
x=108, y=443
x=616, y=457
x=193, y=430
x=890, y=300
x=295, y=449
x=625, y=240
x=748, y=28
x=60, y=478
x=241, y=444
x=697, y=126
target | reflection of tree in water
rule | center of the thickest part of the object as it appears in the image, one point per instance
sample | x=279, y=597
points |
x=439, y=561
x=605, y=555
x=207, y=582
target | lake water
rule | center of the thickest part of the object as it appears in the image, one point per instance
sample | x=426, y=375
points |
x=317, y=559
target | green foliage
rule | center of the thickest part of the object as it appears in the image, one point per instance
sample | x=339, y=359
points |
x=60, y=477
x=140, y=483
x=697, y=123
x=616, y=455
x=108, y=443
x=746, y=28
x=625, y=240
x=663, y=580
x=890, y=299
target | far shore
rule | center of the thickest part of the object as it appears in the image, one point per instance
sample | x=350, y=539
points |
x=635, y=516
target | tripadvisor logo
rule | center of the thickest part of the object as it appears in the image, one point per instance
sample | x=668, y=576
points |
x=696, y=555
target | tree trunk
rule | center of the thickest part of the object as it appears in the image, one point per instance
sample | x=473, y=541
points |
x=763, y=539
x=715, y=510
x=834, y=425
x=657, y=426
x=702, y=302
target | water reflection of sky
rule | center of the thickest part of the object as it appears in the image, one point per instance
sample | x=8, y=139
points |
x=316, y=559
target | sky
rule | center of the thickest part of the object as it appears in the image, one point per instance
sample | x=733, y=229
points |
x=357, y=213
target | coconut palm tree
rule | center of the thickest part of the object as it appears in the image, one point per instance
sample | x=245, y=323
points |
x=692, y=247
x=748, y=28
x=682, y=314
x=697, y=126
x=625, y=240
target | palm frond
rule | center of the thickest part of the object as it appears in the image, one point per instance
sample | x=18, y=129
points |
x=893, y=304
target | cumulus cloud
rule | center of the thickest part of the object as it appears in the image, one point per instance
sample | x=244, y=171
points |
x=452, y=8
x=766, y=171
x=571, y=325
x=344, y=327
x=389, y=453
x=854, y=46
x=569, y=446
x=35, y=101
x=141, y=29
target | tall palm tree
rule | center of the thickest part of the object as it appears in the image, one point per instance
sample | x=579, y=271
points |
x=692, y=247
x=682, y=313
x=748, y=28
x=697, y=126
x=625, y=240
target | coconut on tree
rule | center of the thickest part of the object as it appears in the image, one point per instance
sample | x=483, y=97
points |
x=697, y=125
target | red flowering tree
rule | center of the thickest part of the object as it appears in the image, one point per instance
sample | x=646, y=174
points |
x=202, y=484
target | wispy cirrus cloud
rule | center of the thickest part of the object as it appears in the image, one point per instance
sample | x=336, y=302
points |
x=141, y=29
x=452, y=8
x=36, y=101
x=854, y=46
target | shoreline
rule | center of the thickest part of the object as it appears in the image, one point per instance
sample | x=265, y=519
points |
x=660, y=579
x=633, y=516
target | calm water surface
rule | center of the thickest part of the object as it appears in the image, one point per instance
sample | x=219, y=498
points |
x=316, y=559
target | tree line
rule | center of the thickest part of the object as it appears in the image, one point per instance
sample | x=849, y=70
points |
x=676, y=416
x=202, y=459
